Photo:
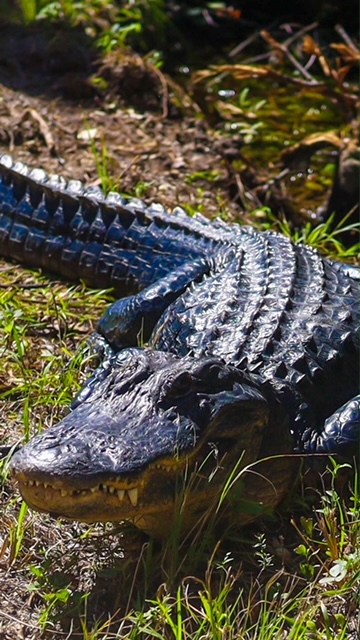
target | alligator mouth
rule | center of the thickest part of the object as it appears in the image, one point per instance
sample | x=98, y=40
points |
x=169, y=489
x=131, y=495
x=116, y=499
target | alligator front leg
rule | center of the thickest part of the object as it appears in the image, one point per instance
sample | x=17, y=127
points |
x=341, y=431
x=130, y=321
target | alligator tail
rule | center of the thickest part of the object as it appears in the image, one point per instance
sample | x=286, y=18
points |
x=81, y=234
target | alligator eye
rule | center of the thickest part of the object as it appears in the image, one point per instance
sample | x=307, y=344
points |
x=215, y=371
x=181, y=385
x=210, y=373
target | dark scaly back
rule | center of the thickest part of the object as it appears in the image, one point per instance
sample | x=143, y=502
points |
x=282, y=313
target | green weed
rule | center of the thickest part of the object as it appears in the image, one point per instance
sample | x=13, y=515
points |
x=30, y=9
x=141, y=188
x=211, y=175
x=18, y=533
x=102, y=161
x=142, y=24
x=325, y=236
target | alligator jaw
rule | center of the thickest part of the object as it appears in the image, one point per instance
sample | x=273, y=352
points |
x=43, y=496
x=151, y=502
x=96, y=505
x=145, y=447
x=168, y=492
x=163, y=495
x=114, y=499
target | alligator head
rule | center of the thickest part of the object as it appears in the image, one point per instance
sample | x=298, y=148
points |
x=154, y=427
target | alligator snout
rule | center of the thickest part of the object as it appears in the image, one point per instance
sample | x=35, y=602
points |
x=151, y=429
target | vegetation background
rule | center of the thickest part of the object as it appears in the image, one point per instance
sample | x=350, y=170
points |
x=247, y=110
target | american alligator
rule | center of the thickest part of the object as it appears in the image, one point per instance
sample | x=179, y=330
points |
x=251, y=359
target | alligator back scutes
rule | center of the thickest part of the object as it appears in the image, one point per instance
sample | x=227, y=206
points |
x=235, y=307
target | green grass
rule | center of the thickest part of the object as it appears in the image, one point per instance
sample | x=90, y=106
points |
x=293, y=576
x=143, y=24
x=327, y=237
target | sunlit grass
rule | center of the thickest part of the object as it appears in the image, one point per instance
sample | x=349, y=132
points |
x=326, y=236
x=295, y=577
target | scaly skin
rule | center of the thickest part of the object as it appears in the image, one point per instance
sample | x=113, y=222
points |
x=252, y=355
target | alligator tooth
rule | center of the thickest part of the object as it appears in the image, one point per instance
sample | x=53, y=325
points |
x=46, y=485
x=111, y=489
x=133, y=495
x=120, y=494
x=37, y=483
x=31, y=483
x=93, y=489
x=83, y=492
x=63, y=493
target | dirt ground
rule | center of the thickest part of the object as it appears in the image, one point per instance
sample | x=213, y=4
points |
x=55, y=118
